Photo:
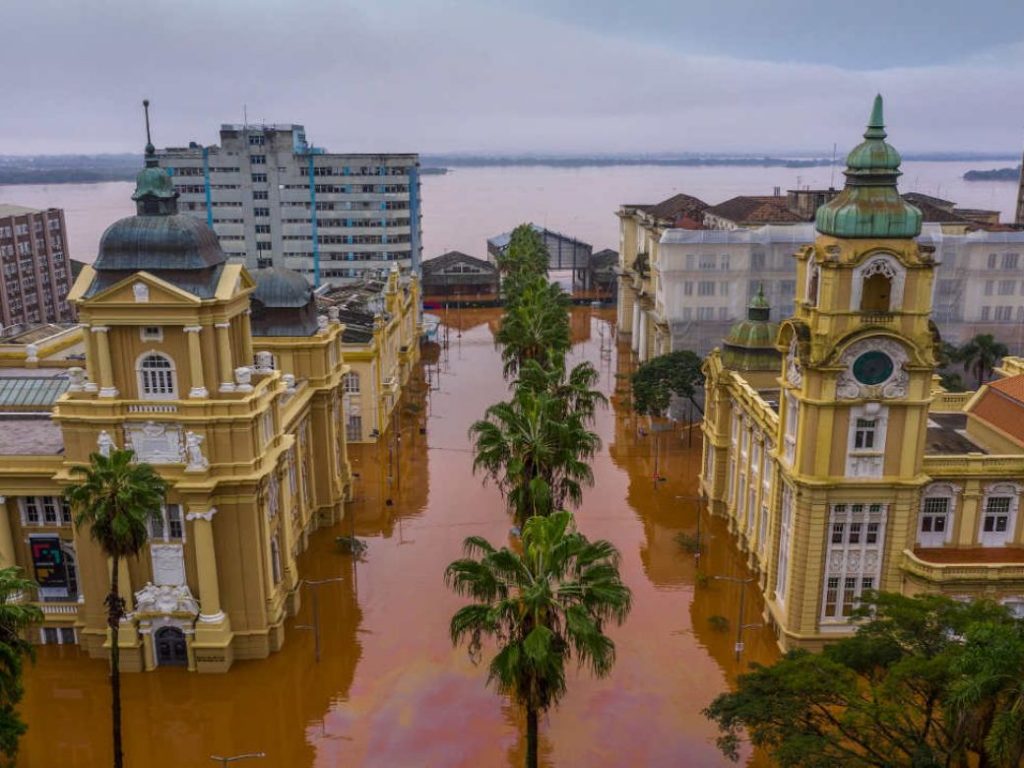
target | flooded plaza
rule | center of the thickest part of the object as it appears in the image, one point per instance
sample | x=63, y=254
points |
x=390, y=689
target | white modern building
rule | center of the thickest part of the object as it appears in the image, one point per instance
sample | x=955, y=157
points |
x=702, y=280
x=275, y=200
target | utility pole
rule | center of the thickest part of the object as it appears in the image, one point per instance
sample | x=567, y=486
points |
x=315, y=626
x=740, y=626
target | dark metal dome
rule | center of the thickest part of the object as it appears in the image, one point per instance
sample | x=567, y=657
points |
x=279, y=287
x=177, y=242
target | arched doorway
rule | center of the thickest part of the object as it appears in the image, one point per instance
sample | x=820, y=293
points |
x=171, y=648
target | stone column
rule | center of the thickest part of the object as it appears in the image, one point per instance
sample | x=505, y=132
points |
x=211, y=644
x=206, y=562
x=247, y=353
x=227, y=368
x=195, y=361
x=107, y=388
x=7, y=556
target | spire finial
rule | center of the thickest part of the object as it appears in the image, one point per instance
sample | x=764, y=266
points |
x=876, y=123
x=150, y=149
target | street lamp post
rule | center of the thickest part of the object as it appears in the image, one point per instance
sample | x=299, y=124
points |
x=740, y=626
x=696, y=554
x=235, y=758
x=315, y=626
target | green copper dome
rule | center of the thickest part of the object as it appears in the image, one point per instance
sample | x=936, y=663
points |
x=750, y=345
x=870, y=205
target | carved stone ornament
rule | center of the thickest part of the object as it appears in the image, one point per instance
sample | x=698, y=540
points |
x=334, y=315
x=156, y=443
x=194, y=452
x=168, y=564
x=264, y=362
x=243, y=379
x=289, y=382
x=321, y=322
x=105, y=443
x=165, y=598
x=893, y=388
x=31, y=353
x=794, y=373
x=141, y=292
x=76, y=376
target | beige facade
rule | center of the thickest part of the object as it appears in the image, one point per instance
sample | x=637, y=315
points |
x=849, y=469
x=248, y=428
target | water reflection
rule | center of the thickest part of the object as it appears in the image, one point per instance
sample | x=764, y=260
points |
x=391, y=690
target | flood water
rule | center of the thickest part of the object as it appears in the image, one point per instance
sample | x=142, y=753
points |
x=466, y=206
x=390, y=689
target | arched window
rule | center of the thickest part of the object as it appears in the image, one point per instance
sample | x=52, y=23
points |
x=156, y=377
x=999, y=514
x=878, y=285
x=813, y=277
x=351, y=382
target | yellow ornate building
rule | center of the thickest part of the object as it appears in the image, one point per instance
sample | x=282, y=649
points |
x=234, y=388
x=840, y=463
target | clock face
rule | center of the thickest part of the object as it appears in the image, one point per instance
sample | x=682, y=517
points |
x=872, y=367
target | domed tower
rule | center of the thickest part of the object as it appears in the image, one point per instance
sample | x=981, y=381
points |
x=283, y=304
x=750, y=345
x=856, y=386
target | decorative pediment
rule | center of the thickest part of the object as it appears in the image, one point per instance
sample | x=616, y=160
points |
x=143, y=288
x=234, y=280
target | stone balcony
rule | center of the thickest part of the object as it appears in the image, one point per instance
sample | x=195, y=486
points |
x=962, y=567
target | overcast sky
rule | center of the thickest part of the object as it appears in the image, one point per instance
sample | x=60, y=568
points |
x=515, y=75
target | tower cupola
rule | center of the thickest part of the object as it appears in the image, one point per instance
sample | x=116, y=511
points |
x=870, y=205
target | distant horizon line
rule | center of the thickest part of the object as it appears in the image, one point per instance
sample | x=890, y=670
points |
x=604, y=156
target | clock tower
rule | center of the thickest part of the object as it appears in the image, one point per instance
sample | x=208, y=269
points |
x=853, y=406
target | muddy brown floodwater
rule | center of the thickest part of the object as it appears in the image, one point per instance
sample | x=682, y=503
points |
x=390, y=689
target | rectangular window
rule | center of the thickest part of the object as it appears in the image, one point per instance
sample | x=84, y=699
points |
x=707, y=261
x=259, y=178
x=706, y=288
x=1007, y=287
x=865, y=434
x=854, y=554
x=261, y=212
x=986, y=313
x=167, y=524
x=688, y=288
x=152, y=333
x=262, y=229
x=757, y=261
x=354, y=428
x=782, y=564
x=49, y=510
x=258, y=159
x=1010, y=260
x=260, y=194
x=992, y=258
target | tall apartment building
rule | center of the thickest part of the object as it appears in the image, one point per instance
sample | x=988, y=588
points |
x=36, y=274
x=275, y=200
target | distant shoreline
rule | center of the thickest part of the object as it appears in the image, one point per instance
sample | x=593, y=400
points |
x=996, y=174
x=97, y=169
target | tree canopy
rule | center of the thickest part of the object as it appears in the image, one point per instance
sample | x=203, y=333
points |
x=925, y=682
x=658, y=379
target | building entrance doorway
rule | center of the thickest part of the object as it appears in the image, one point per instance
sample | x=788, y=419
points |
x=171, y=648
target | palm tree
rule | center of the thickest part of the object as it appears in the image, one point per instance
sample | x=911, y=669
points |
x=116, y=498
x=15, y=617
x=535, y=451
x=535, y=327
x=525, y=253
x=575, y=390
x=990, y=691
x=980, y=355
x=542, y=607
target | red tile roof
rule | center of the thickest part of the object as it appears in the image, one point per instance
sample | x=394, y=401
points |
x=756, y=209
x=1002, y=406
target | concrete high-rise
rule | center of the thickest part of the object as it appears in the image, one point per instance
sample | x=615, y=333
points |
x=276, y=200
x=36, y=273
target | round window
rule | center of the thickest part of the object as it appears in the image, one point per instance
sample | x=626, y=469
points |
x=872, y=367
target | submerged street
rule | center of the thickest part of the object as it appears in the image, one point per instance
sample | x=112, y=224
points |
x=390, y=689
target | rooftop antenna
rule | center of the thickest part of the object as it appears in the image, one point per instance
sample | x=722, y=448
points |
x=245, y=115
x=832, y=177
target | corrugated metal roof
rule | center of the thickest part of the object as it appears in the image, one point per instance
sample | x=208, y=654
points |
x=31, y=391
